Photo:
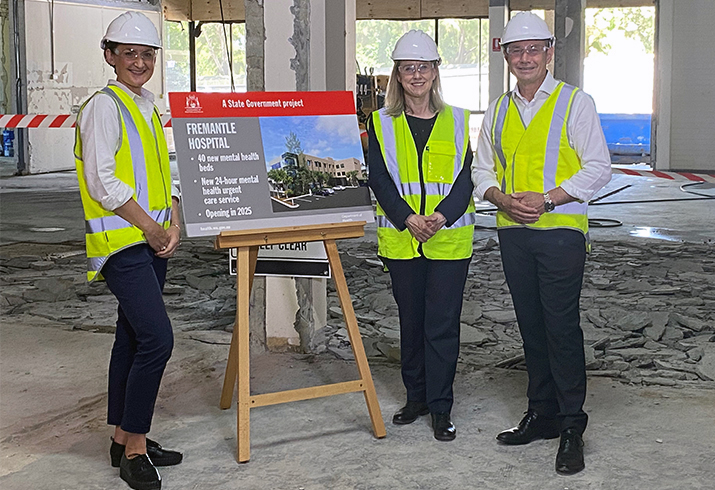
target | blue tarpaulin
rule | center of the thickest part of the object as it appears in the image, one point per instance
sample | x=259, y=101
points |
x=627, y=136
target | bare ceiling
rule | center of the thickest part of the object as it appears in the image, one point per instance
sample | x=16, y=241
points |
x=234, y=11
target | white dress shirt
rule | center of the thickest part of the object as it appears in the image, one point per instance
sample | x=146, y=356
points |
x=101, y=138
x=584, y=134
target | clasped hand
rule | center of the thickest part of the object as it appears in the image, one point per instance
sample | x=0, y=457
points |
x=424, y=227
x=523, y=207
x=163, y=241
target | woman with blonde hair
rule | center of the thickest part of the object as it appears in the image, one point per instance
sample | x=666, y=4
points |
x=419, y=160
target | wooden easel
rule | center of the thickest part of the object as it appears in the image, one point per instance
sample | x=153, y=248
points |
x=238, y=366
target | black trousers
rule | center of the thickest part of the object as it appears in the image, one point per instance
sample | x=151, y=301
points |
x=429, y=298
x=143, y=341
x=544, y=271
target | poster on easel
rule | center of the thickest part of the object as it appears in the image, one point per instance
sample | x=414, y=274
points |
x=268, y=159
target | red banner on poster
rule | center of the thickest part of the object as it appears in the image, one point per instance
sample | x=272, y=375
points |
x=260, y=104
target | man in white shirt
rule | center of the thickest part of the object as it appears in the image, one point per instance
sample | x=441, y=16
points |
x=541, y=156
x=132, y=228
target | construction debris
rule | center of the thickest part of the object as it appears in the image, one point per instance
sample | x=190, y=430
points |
x=648, y=313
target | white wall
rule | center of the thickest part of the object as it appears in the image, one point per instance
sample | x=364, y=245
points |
x=79, y=71
x=685, y=94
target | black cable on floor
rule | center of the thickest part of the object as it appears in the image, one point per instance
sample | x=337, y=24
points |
x=706, y=185
x=604, y=223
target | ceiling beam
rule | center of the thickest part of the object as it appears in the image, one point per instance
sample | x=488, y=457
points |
x=234, y=11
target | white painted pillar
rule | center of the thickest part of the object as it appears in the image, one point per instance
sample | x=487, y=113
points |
x=498, y=72
x=663, y=87
x=309, y=45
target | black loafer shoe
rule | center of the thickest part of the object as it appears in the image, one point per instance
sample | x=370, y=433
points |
x=409, y=413
x=569, y=459
x=158, y=455
x=444, y=429
x=532, y=427
x=139, y=473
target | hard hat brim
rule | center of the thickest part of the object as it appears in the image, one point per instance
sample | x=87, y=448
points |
x=104, y=42
x=528, y=38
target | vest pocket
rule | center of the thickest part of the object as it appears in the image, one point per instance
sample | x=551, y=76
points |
x=440, y=162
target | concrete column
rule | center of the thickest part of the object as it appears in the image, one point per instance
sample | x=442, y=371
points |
x=255, y=52
x=570, y=32
x=498, y=70
x=17, y=53
x=5, y=53
x=663, y=87
x=340, y=45
x=302, y=45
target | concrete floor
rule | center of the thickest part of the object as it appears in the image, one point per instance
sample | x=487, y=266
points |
x=52, y=403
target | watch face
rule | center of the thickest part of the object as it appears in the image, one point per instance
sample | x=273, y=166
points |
x=548, y=204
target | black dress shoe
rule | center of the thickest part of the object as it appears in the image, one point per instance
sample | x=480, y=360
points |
x=158, y=455
x=444, y=429
x=569, y=459
x=409, y=413
x=532, y=427
x=139, y=473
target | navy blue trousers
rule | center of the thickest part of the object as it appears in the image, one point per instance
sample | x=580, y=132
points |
x=429, y=299
x=544, y=272
x=143, y=340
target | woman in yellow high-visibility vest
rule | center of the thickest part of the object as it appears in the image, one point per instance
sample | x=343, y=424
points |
x=132, y=228
x=419, y=161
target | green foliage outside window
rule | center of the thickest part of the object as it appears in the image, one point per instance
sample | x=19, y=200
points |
x=460, y=42
x=212, y=67
x=636, y=23
x=376, y=40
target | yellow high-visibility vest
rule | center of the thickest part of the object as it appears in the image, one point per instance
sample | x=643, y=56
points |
x=143, y=164
x=442, y=160
x=538, y=158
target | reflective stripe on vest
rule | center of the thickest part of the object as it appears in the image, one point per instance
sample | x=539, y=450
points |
x=497, y=134
x=137, y=149
x=448, y=139
x=115, y=222
x=106, y=232
x=570, y=215
x=431, y=189
x=466, y=220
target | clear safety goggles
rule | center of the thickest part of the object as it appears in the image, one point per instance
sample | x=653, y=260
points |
x=412, y=68
x=530, y=50
x=129, y=55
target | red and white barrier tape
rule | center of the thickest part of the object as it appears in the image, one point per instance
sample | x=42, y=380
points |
x=667, y=175
x=14, y=121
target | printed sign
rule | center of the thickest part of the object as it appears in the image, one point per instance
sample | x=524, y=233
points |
x=301, y=259
x=268, y=159
x=496, y=44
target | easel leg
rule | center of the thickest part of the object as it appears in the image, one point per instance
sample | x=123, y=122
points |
x=243, y=407
x=229, y=379
x=341, y=285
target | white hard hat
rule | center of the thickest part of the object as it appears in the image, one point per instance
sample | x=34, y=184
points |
x=132, y=28
x=415, y=45
x=526, y=26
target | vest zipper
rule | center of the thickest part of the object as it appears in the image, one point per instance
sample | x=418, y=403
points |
x=423, y=191
x=167, y=201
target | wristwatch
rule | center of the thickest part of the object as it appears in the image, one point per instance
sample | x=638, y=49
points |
x=548, y=203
